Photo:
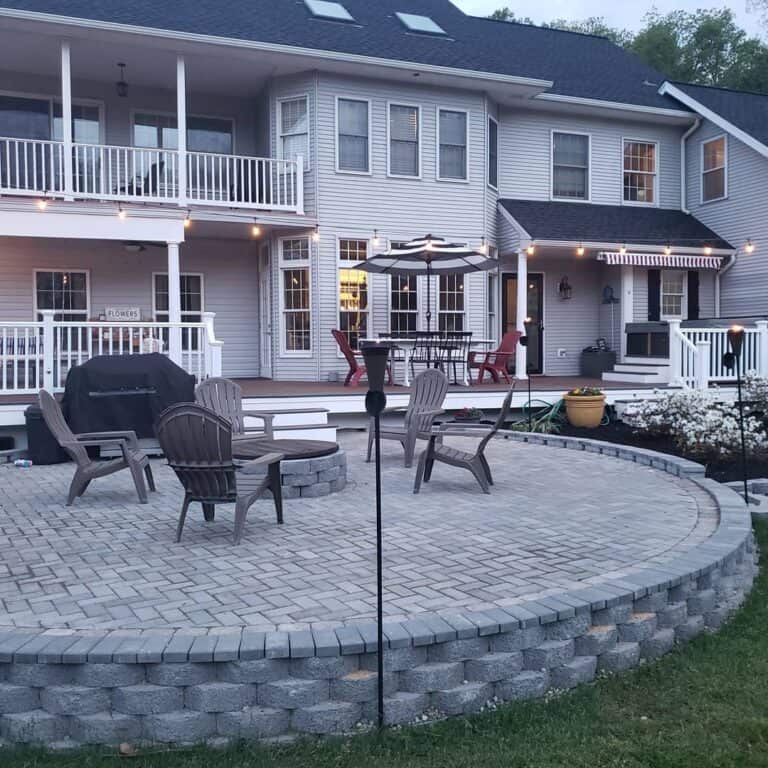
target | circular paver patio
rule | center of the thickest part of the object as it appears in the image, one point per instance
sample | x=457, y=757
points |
x=556, y=520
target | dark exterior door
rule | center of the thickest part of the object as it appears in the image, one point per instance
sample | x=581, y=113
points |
x=535, y=311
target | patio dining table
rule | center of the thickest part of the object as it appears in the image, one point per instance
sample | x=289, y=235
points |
x=408, y=343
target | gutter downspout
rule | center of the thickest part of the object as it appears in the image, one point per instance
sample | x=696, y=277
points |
x=683, y=165
x=718, y=275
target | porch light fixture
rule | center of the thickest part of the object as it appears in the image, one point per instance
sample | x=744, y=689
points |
x=121, y=214
x=121, y=86
x=188, y=220
x=316, y=235
x=376, y=240
x=531, y=249
x=564, y=288
x=580, y=250
x=256, y=230
x=749, y=247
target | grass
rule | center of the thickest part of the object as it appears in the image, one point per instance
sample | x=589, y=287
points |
x=703, y=705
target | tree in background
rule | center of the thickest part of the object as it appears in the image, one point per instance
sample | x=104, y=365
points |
x=706, y=46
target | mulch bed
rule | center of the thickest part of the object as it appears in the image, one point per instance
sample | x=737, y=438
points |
x=723, y=470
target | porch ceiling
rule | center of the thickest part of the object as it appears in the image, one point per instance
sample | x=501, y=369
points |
x=565, y=222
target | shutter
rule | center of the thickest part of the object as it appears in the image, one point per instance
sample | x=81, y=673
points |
x=693, y=295
x=654, y=294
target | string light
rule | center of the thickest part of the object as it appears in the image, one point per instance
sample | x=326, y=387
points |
x=708, y=251
x=256, y=230
x=531, y=249
x=750, y=246
x=316, y=235
x=668, y=250
x=121, y=214
x=187, y=220
x=623, y=250
x=42, y=204
x=580, y=250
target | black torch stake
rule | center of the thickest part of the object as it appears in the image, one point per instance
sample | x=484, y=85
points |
x=376, y=357
x=732, y=360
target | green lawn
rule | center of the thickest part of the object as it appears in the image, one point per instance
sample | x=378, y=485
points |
x=705, y=705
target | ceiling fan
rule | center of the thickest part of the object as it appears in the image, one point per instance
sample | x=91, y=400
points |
x=137, y=246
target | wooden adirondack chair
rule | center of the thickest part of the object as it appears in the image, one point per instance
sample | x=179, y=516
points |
x=225, y=397
x=132, y=458
x=356, y=370
x=426, y=402
x=198, y=445
x=496, y=363
x=475, y=462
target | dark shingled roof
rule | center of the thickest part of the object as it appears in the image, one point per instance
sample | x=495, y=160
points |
x=748, y=111
x=580, y=65
x=583, y=222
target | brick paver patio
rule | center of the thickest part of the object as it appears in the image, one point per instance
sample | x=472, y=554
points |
x=556, y=519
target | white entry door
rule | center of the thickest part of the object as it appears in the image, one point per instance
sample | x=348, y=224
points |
x=265, y=312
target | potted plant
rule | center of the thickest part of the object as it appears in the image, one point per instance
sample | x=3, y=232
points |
x=468, y=413
x=585, y=406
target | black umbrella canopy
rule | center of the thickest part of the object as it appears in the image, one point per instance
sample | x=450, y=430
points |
x=429, y=255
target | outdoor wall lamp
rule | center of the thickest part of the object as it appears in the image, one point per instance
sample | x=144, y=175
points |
x=564, y=288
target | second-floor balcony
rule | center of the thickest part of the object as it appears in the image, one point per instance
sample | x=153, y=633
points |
x=41, y=168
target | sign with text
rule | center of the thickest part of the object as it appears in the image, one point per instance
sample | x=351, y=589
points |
x=122, y=314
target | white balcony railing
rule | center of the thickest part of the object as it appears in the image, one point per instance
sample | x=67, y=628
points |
x=129, y=174
x=40, y=354
x=696, y=354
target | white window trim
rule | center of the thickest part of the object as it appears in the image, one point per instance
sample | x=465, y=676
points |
x=86, y=272
x=282, y=266
x=656, y=174
x=165, y=113
x=724, y=137
x=492, y=119
x=684, y=304
x=155, y=275
x=417, y=107
x=369, y=172
x=568, y=132
x=438, y=109
x=280, y=134
x=343, y=264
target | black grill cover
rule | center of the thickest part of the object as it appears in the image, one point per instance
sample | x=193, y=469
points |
x=111, y=393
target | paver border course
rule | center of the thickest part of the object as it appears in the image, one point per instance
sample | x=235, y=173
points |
x=190, y=685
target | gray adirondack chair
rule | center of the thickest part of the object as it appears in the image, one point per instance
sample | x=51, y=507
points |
x=427, y=395
x=133, y=458
x=225, y=397
x=198, y=445
x=475, y=462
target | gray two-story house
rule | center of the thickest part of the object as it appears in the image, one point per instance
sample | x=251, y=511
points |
x=202, y=179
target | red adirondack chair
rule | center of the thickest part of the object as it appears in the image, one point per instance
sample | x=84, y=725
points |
x=356, y=369
x=496, y=362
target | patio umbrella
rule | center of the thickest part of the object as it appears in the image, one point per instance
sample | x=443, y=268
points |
x=429, y=255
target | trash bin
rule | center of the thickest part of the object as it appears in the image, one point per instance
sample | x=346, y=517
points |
x=42, y=445
x=595, y=362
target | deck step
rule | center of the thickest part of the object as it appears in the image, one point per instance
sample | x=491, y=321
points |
x=290, y=417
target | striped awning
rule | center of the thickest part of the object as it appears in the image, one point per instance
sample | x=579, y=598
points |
x=671, y=261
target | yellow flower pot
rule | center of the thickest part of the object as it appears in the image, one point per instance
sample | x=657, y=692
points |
x=584, y=410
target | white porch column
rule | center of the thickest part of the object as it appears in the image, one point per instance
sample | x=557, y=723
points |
x=66, y=119
x=521, y=355
x=174, y=302
x=181, y=124
x=627, y=306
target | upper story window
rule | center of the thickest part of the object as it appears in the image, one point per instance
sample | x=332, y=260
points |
x=413, y=22
x=493, y=153
x=328, y=10
x=404, y=140
x=293, y=126
x=204, y=134
x=353, y=150
x=452, y=150
x=640, y=172
x=714, y=161
x=570, y=166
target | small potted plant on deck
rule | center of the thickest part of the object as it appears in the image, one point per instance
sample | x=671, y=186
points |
x=585, y=406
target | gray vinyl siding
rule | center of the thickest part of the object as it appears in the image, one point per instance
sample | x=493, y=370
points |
x=119, y=278
x=742, y=215
x=525, y=140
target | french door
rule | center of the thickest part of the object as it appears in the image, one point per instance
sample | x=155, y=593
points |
x=534, y=310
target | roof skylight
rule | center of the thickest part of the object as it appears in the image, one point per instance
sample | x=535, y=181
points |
x=324, y=9
x=423, y=24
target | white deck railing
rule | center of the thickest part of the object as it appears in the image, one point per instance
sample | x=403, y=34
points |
x=129, y=174
x=41, y=354
x=31, y=167
x=696, y=354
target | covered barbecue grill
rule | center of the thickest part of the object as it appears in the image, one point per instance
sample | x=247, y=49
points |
x=112, y=393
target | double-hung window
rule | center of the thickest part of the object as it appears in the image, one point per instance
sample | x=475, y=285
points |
x=296, y=319
x=570, y=166
x=404, y=304
x=452, y=149
x=191, y=306
x=293, y=123
x=714, y=160
x=404, y=140
x=493, y=153
x=65, y=292
x=353, y=150
x=640, y=172
x=353, y=291
x=451, y=305
x=673, y=294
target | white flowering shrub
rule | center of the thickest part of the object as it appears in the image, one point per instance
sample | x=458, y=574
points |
x=701, y=426
x=756, y=392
